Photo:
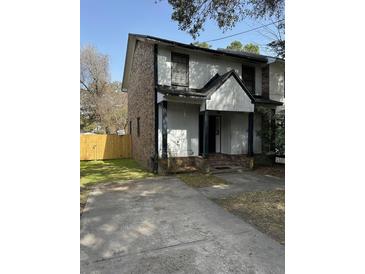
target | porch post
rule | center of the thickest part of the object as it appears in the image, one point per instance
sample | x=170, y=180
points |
x=250, y=133
x=272, y=124
x=205, y=134
x=164, y=129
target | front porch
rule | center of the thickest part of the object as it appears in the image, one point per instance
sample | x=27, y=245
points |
x=219, y=120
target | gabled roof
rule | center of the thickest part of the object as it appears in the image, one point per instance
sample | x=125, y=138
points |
x=209, y=88
x=218, y=80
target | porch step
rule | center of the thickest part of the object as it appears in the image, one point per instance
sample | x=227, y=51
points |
x=227, y=169
x=221, y=163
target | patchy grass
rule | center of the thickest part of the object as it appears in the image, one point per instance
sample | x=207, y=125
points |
x=201, y=180
x=95, y=172
x=276, y=170
x=265, y=210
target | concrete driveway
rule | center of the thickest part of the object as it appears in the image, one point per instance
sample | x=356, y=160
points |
x=164, y=226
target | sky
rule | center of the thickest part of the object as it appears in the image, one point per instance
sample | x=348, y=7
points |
x=106, y=24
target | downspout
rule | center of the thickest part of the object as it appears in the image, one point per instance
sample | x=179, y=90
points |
x=155, y=163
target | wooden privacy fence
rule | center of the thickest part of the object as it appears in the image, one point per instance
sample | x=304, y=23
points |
x=104, y=146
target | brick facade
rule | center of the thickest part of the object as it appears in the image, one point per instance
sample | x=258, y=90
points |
x=141, y=103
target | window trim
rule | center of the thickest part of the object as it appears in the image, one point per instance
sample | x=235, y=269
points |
x=187, y=68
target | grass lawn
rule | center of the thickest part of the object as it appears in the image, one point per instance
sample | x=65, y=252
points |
x=201, y=180
x=95, y=172
x=265, y=210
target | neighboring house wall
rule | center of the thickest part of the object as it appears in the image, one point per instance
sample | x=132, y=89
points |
x=183, y=129
x=202, y=68
x=141, y=99
x=230, y=97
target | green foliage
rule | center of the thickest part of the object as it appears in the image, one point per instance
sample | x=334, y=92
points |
x=278, y=47
x=202, y=45
x=237, y=45
x=272, y=131
x=251, y=48
x=191, y=15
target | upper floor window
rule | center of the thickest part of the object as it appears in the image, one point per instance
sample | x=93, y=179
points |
x=248, y=77
x=179, y=69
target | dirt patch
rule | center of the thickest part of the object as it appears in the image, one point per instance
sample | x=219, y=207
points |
x=276, y=170
x=265, y=210
x=199, y=180
x=84, y=193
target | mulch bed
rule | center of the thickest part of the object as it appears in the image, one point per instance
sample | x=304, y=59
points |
x=265, y=210
x=275, y=170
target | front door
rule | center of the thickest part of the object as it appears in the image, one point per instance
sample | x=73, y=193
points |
x=214, y=134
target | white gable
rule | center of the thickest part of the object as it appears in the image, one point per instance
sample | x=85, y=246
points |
x=230, y=97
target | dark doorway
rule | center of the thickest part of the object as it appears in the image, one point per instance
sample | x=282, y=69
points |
x=212, y=132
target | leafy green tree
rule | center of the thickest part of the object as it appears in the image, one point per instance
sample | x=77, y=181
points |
x=272, y=131
x=191, y=15
x=237, y=45
x=251, y=48
x=202, y=45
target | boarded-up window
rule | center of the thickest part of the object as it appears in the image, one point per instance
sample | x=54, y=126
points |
x=180, y=69
x=248, y=78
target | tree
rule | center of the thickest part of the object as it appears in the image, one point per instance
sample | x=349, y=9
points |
x=191, y=15
x=272, y=131
x=102, y=104
x=202, y=45
x=237, y=45
x=278, y=46
x=94, y=70
x=251, y=48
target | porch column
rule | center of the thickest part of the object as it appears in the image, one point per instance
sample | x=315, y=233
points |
x=250, y=133
x=205, y=134
x=273, y=127
x=164, y=129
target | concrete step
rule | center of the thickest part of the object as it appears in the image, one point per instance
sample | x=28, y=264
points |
x=229, y=169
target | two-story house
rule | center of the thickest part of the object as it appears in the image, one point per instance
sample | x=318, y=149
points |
x=186, y=103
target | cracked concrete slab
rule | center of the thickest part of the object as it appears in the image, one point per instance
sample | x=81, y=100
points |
x=164, y=226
